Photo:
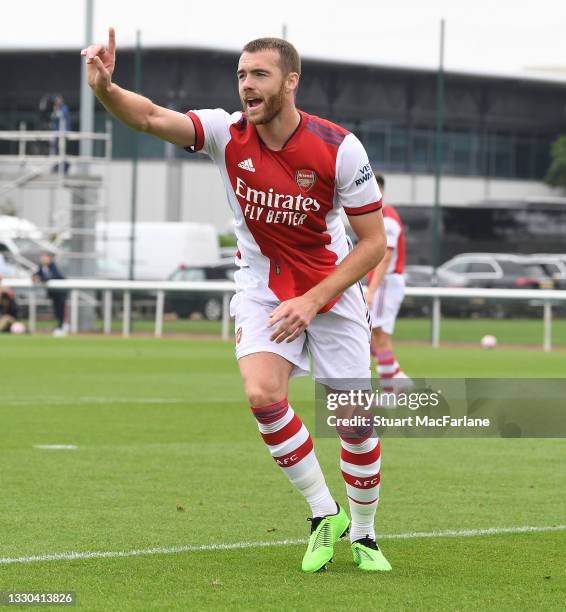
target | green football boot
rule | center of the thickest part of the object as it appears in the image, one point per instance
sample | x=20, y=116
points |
x=368, y=557
x=325, y=532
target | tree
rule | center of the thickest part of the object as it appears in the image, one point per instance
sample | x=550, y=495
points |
x=556, y=175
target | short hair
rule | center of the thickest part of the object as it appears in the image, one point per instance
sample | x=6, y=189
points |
x=289, y=59
x=380, y=180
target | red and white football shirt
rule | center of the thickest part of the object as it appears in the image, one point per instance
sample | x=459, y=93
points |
x=395, y=240
x=286, y=203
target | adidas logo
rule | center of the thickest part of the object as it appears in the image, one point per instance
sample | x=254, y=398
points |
x=247, y=164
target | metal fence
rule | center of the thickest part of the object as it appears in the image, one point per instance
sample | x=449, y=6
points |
x=545, y=297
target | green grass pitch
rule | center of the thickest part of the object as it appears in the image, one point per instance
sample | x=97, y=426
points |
x=168, y=455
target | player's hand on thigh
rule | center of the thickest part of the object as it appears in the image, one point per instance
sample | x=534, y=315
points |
x=294, y=315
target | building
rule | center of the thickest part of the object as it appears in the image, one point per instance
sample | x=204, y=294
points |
x=496, y=141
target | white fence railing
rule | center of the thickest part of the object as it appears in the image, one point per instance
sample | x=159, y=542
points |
x=126, y=288
x=545, y=297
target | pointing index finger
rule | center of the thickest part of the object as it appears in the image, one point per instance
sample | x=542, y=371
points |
x=111, y=39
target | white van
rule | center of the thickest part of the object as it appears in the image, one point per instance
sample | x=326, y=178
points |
x=159, y=247
x=21, y=243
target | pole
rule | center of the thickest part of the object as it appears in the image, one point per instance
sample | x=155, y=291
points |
x=547, y=334
x=284, y=31
x=107, y=315
x=87, y=97
x=435, y=322
x=127, y=314
x=438, y=150
x=159, y=305
x=74, y=311
x=135, y=158
x=83, y=217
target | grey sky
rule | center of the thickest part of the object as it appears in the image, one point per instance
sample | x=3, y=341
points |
x=501, y=36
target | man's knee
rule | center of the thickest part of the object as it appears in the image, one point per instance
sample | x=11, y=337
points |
x=265, y=378
x=265, y=391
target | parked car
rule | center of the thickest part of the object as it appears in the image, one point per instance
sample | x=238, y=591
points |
x=501, y=271
x=553, y=265
x=498, y=270
x=421, y=276
x=13, y=270
x=21, y=242
x=207, y=304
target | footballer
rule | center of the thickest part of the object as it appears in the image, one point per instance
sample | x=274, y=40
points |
x=287, y=176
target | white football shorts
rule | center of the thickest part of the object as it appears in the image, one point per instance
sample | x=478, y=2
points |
x=337, y=341
x=387, y=301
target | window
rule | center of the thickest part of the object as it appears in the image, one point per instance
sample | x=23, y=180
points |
x=188, y=274
x=552, y=268
x=481, y=267
x=459, y=267
x=29, y=248
x=194, y=274
x=542, y=157
x=422, y=151
x=535, y=270
x=460, y=149
x=466, y=150
x=524, y=157
x=375, y=144
x=398, y=149
x=501, y=155
x=512, y=267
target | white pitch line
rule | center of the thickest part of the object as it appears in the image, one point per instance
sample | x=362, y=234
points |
x=56, y=446
x=67, y=401
x=466, y=533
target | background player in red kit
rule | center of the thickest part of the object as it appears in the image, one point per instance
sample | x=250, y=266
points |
x=385, y=294
x=287, y=176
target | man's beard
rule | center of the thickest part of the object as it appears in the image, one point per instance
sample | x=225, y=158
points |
x=272, y=106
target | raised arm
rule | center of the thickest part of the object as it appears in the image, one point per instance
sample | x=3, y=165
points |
x=136, y=111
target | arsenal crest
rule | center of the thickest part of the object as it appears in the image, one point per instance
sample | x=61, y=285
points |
x=305, y=179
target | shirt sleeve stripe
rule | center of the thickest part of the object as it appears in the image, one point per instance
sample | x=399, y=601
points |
x=363, y=210
x=199, y=132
